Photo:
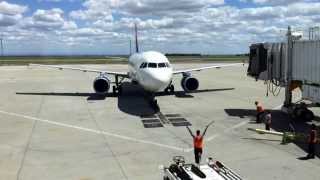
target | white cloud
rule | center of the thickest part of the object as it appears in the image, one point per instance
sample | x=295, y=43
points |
x=86, y=32
x=53, y=15
x=69, y=25
x=48, y=20
x=10, y=14
x=276, y=2
x=6, y=20
x=103, y=9
x=140, y=7
x=57, y=0
x=49, y=0
x=11, y=9
x=94, y=10
x=206, y=26
x=304, y=9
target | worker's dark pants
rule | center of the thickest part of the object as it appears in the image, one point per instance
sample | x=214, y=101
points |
x=267, y=126
x=311, y=150
x=197, y=154
x=259, y=118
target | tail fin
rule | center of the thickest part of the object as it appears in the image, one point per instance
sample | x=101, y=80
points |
x=130, y=50
x=136, y=37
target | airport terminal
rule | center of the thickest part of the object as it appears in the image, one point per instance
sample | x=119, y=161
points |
x=156, y=115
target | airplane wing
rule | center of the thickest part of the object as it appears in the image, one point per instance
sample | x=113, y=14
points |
x=204, y=68
x=122, y=74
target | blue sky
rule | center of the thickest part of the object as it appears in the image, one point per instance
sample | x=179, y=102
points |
x=182, y=26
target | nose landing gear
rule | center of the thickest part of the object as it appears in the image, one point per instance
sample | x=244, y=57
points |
x=150, y=97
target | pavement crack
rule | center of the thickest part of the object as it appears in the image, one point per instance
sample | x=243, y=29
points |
x=106, y=142
x=29, y=140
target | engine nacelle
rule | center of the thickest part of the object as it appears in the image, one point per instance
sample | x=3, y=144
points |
x=101, y=84
x=189, y=83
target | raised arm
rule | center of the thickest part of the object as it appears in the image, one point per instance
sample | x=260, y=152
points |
x=190, y=131
x=205, y=130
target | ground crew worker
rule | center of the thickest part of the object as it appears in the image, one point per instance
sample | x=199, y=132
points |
x=267, y=120
x=312, y=140
x=198, y=143
x=260, y=111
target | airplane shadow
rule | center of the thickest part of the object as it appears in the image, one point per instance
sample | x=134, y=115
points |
x=183, y=94
x=133, y=99
x=280, y=122
x=91, y=96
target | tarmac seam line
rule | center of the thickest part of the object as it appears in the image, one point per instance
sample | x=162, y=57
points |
x=96, y=131
x=29, y=141
x=106, y=142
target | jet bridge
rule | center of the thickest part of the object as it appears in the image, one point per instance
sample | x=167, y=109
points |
x=292, y=64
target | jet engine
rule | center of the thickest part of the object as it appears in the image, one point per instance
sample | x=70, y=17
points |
x=101, y=84
x=189, y=83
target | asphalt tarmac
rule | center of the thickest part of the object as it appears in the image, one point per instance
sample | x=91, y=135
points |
x=52, y=126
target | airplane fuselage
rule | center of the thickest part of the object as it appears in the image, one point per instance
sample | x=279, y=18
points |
x=151, y=70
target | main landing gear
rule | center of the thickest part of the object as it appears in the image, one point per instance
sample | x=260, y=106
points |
x=169, y=89
x=117, y=88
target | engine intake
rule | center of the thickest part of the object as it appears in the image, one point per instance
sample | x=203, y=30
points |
x=101, y=84
x=189, y=83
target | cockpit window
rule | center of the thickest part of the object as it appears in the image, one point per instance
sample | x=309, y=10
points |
x=161, y=65
x=143, y=65
x=152, y=65
x=167, y=64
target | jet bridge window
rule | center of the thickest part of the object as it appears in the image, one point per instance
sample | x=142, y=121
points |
x=162, y=65
x=152, y=65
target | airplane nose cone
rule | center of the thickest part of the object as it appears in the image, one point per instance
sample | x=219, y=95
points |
x=159, y=80
x=163, y=78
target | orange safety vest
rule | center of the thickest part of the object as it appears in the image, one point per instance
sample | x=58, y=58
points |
x=198, y=141
x=313, y=137
x=260, y=108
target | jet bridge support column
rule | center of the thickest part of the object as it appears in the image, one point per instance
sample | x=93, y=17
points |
x=288, y=92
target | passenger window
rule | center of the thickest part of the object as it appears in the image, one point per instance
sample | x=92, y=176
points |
x=152, y=65
x=161, y=65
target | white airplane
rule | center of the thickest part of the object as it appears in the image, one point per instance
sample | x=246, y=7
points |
x=151, y=70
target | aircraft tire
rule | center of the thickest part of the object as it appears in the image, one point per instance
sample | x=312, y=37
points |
x=166, y=90
x=171, y=88
x=114, y=90
x=120, y=90
x=308, y=115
